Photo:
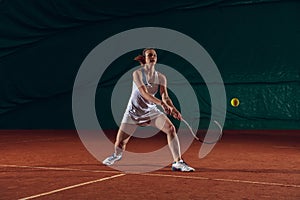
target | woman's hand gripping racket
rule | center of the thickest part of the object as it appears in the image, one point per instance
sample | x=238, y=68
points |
x=212, y=136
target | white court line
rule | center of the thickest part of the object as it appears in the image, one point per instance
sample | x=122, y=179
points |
x=72, y=186
x=164, y=175
x=226, y=180
x=61, y=169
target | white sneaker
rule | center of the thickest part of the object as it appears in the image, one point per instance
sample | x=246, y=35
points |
x=112, y=159
x=181, y=166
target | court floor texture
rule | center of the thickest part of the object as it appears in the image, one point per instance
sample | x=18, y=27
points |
x=54, y=164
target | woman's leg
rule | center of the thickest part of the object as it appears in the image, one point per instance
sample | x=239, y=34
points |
x=164, y=124
x=123, y=136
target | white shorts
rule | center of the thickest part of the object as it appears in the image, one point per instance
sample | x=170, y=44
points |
x=144, y=120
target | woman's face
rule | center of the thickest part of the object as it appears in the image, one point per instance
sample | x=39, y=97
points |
x=150, y=57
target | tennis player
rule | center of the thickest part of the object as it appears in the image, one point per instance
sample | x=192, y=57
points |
x=142, y=110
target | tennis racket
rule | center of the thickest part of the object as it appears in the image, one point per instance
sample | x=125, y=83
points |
x=212, y=136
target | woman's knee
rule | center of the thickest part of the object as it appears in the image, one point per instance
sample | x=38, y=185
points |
x=170, y=129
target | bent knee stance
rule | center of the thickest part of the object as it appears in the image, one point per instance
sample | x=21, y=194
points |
x=170, y=129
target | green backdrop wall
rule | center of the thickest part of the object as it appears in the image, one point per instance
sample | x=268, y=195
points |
x=255, y=44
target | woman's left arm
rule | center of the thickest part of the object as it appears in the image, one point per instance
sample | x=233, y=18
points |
x=166, y=99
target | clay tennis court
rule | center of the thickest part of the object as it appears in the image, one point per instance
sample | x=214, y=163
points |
x=243, y=165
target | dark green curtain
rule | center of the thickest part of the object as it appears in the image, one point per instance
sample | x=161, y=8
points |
x=255, y=44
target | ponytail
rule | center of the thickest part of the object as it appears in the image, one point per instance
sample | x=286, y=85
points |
x=140, y=59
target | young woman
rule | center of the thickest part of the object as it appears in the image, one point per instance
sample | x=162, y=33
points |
x=142, y=110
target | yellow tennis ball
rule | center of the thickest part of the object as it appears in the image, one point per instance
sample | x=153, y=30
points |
x=235, y=102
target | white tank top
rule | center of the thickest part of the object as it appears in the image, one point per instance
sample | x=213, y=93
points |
x=139, y=109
